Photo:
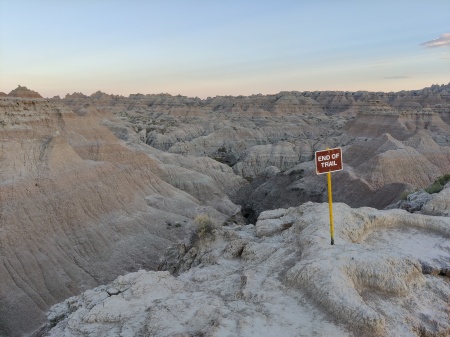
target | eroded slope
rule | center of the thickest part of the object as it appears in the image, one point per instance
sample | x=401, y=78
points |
x=78, y=206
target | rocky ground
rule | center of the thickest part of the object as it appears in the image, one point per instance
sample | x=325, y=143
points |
x=387, y=275
x=93, y=187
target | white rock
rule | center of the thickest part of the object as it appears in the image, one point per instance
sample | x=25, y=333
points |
x=381, y=278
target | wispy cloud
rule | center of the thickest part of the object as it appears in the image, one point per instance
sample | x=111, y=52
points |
x=401, y=77
x=441, y=41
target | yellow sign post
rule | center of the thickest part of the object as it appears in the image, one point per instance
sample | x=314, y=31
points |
x=328, y=161
x=330, y=205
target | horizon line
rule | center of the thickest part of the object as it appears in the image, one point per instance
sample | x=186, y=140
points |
x=240, y=95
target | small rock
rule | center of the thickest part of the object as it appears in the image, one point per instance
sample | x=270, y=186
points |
x=113, y=291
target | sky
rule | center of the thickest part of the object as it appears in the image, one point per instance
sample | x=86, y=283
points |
x=208, y=48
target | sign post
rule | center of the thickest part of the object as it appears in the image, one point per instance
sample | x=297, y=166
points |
x=330, y=206
x=328, y=161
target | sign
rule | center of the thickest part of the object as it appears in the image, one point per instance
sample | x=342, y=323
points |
x=329, y=160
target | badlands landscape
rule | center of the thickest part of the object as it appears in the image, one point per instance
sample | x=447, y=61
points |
x=161, y=215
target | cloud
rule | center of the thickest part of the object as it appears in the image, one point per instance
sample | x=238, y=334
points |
x=441, y=41
x=401, y=77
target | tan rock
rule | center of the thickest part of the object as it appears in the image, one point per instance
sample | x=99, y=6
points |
x=77, y=210
x=24, y=92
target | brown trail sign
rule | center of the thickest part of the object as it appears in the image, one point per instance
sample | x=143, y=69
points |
x=327, y=161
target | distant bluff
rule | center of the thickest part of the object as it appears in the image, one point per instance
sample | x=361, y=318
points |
x=433, y=99
x=24, y=92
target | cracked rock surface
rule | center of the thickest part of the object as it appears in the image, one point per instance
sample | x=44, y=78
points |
x=386, y=275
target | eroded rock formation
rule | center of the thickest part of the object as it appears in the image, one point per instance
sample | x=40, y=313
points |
x=24, y=92
x=392, y=142
x=78, y=206
x=96, y=186
x=387, y=275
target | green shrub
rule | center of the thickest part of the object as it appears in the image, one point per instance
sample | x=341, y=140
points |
x=444, y=179
x=438, y=184
x=435, y=188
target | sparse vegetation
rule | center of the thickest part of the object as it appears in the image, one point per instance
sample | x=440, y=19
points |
x=438, y=184
x=56, y=319
x=204, y=226
x=404, y=195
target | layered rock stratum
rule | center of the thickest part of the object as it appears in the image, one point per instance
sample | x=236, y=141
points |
x=23, y=92
x=78, y=206
x=393, y=142
x=93, y=187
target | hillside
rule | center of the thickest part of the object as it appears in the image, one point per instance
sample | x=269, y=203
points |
x=78, y=207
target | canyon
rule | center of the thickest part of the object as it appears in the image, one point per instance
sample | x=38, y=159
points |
x=94, y=187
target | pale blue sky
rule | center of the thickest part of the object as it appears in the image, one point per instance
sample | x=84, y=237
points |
x=208, y=48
